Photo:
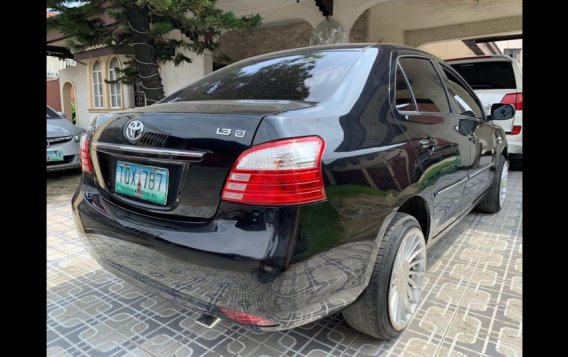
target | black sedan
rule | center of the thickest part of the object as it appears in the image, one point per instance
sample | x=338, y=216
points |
x=292, y=185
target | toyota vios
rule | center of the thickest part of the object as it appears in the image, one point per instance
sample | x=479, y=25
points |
x=289, y=186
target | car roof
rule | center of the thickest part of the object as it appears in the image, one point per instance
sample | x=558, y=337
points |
x=339, y=47
x=484, y=58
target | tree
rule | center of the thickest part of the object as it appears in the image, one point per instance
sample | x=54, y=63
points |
x=146, y=27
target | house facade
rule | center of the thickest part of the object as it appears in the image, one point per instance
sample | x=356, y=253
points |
x=288, y=24
x=94, y=95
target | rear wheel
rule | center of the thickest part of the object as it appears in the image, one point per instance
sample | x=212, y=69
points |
x=495, y=197
x=390, y=301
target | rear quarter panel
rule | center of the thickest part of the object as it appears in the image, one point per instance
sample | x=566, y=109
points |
x=369, y=166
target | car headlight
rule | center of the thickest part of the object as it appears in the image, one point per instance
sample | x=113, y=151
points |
x=77, y=137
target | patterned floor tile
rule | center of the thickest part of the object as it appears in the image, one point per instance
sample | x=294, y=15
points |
x=472, y=301
x=264, y=351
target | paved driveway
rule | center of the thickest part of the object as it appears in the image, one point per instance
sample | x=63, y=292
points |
x=472, y=303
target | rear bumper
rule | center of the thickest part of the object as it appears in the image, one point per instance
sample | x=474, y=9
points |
x=515, y=144
x=265, y=279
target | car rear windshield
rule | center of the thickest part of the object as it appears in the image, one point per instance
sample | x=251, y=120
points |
x=310, y=77
x=487, y=75
x=52, y=114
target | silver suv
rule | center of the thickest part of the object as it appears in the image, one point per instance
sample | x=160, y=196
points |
x=497, y=78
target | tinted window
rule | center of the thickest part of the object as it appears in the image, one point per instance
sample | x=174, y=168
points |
x=403, y=96
x=487, y=75
x=51, y=114
x=465, y=101
x=311, y=77
x=426, y=85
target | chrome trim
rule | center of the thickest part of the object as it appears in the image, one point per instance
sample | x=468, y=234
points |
x=398, y=66
x=59, y=140
x=149, y=150
x=480, y=171
x=133, y=130
x=451, y=186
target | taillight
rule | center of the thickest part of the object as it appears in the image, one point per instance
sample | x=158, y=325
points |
x=246, y=319
x=86, y=165
x=516, y=99
x=516, y=130
x=282, y=172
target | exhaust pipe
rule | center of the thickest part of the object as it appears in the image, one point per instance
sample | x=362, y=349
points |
x=207, y=320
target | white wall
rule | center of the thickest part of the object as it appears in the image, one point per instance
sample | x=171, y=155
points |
x=78, y=77
x=447, y=49
x=382, y=29
x=180, y=76
x=173, y=79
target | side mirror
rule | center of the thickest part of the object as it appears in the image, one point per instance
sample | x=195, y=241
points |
x=61, y=114
x=500, y=111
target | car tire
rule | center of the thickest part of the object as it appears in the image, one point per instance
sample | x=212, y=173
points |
x=496, y=194
x=375, y=312
x=516, y=164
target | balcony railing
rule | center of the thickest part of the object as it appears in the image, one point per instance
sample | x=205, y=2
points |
x=54, y=65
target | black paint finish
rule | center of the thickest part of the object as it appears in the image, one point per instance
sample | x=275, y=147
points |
x=292, y=265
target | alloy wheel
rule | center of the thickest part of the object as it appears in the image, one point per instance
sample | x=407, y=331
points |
x=503, y=184
x=406, y=278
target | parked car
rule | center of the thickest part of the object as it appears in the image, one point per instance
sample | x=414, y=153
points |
x=497, y=79
x=62, y=138
x=292, y=185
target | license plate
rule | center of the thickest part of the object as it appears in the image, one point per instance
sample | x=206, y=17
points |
x=55, y=155
x=147, y=183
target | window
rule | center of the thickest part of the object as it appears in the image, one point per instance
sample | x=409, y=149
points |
x=426, y=85
x=97, y=85
x=310, y=77
x=403, y=96
x=51, y=114
x=487, y=75
x=465, y=101
x=115, y=88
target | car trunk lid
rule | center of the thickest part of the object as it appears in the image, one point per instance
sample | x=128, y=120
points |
x=177, y=166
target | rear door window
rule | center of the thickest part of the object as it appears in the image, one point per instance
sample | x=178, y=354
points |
x=403, y=95
x=426, y=85
x=465, y=102
x=487, y=75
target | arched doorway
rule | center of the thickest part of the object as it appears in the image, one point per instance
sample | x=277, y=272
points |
x=69, y=102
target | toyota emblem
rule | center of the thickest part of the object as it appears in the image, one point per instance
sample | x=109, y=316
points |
x=133, y=130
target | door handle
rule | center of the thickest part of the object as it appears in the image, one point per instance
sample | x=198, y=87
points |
x=426, y=143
